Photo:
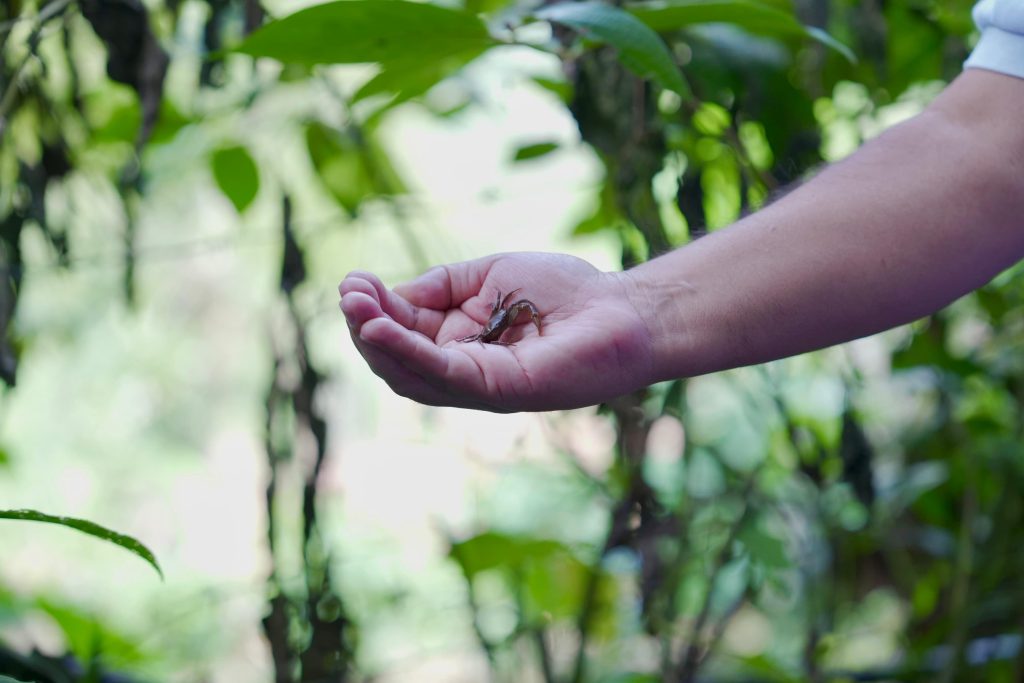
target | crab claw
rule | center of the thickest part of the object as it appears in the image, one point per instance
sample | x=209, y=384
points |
x=524, y=305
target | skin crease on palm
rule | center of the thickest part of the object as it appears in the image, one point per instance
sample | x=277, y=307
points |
x=408, y=335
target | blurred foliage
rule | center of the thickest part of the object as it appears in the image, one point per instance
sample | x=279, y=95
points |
x=817, y=519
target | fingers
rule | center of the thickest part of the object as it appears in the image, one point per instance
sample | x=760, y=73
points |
x=397, y=331
x=396, y=339
x=416, y=351
x=423, y=320
x=359, y=308
x=408, y=373
x=449, y=377
x=446, y=287
x=401, y=379
x=432, y=289
x=362, y=283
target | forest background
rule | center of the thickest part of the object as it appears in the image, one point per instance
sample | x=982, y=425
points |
x=184, y=182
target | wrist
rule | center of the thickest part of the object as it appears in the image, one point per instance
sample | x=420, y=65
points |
x=668, y=310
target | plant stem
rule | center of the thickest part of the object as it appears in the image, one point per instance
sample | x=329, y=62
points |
x=693, y=657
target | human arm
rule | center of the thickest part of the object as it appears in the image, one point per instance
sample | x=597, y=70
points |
x=928, y=211
x=914, y=219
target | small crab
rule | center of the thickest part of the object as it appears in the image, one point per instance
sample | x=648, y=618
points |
x=502, y=317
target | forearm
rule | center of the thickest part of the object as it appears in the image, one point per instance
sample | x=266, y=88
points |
x=916, y=218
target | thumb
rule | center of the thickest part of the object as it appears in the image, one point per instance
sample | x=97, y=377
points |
x=448, y=286
x=432, y=289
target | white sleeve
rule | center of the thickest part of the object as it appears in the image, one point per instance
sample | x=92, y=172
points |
x=1001, y=47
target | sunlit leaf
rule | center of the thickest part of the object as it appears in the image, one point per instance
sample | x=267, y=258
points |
x=554, y=582
x=404, y=79
x=549, y=573
x=449, y=112
x=490, y=550
x=640, y=48
x=114, y=114
x=756, y=17
x=237, y=175
x=606, y=215
x=359, y=31
x=486, y=6
x=168, y=123
x=90, y=528
x=86, y=635
x=8, y=679
x=562, y=89
x=534, y=150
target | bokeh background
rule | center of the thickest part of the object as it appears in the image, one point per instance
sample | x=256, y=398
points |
x=176, y=213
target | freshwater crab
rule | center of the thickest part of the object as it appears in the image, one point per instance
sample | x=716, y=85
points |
x=502, y=317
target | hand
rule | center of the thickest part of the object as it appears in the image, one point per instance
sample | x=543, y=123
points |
x=593, y=345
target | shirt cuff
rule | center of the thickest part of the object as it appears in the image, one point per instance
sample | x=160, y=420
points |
x=998, y=50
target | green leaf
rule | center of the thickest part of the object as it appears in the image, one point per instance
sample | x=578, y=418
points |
x=352, y=167
x=359, y=31
x=756, y=17
x=8, y=679
x=452, y=110
x=914, y=47
x=486, y=6
x=405, y=79
x=767, y=669
x=338, y=164
x=114, y=114
x=606, y=215
x=236, y=175
x=927, y=347
x=87, y=637
x=547, y=573
x=640, y=49
x=535, y=150
x=918, y=479
x=90, y=528
x=825, y=39
x=554, y=583
x=491, y=550
x=704, y=475
x=674, y=403
x=168, y=123
x=994, y=302
x=764, y=548
x=562, y=89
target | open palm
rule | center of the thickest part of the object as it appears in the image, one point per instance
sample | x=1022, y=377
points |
x=593, y=344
